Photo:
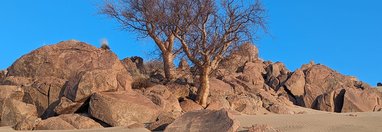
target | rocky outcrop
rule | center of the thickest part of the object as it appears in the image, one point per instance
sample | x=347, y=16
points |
x=204, y=120
x=245, y=53
x=356, y=100
x=67, y=122
x=72, y=69
x=321, y=88
x=122, y=108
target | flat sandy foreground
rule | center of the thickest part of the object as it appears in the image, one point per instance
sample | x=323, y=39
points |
x=310, y=121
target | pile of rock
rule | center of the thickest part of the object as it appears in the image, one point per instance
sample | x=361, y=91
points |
x=52, y=83
x=319, y=87
x=73, y=85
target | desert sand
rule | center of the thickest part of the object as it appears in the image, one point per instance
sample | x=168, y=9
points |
x=316, y=121
x=310, y=121
x=112, y=129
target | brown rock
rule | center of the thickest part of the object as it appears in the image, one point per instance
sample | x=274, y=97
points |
x=122, y=108
x=70, y=68
x=296, y=83
x=217, y=103
x=254, y=71
x=80, y=121
x=178, y=90
x=220, y=88
x=280, y=109
x=331, y=101
x=276, y=69
x=319, y=80
x=245, y=104
x=189, y=105
x=68, y=122
x=28, y=123
x=204, y=120
x=9, y=92
x=161, y=123
x=134, y=66
x=54, y=123
x=276, y=74
x=356, y=100
x=245, y=53
x=67, y=106
x=15, y=111
x=161, y=96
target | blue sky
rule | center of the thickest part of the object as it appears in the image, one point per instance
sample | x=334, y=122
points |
x=342, y=34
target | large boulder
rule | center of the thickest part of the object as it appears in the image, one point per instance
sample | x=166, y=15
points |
x=9, y=92
x=72, y=69
x=204, y=121
x=220, y=88
x=252, y=73
x=68, y=122
x=246, y=104
x=164, y=98
x=296, y=83
x=15, y=111
x=122, y=108
x=356, y=100
x=321, y=79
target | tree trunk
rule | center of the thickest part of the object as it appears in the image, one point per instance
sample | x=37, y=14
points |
x=168, y=59
x=204, y=88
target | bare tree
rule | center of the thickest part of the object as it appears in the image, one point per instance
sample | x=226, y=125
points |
x=153, y=18
x=208, y=31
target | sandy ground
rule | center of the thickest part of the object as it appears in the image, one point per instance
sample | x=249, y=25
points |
x=316, y=121
x=310, y=121
x=114, y=129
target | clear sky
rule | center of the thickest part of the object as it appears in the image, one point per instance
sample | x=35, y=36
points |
x=345, y=35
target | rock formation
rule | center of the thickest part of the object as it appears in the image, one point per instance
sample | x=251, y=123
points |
x=70, y=69
x=73, y=85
